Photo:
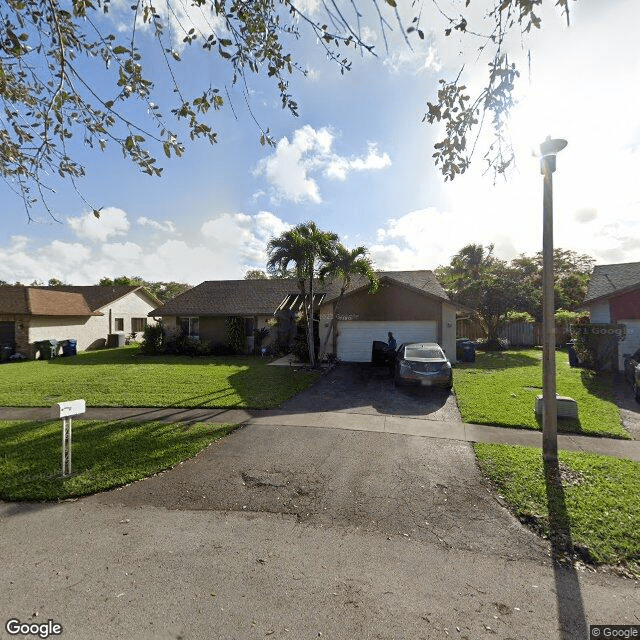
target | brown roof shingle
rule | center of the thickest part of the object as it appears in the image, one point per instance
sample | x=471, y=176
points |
x=229, y=297
x=262, y=297
x=18, y=299
x=98, y=296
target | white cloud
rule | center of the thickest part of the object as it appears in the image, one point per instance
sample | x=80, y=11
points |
x=417, y=60
x=167, y=225
x=289, y=169
x=585, y=215
x=112, y=222
x=222, y=248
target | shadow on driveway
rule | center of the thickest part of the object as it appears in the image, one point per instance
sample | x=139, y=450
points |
x=362, y=388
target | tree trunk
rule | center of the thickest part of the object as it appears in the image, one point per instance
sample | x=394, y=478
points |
x=310, y=336
x=334, y=324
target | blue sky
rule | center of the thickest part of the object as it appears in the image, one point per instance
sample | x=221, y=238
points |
x=357, y=161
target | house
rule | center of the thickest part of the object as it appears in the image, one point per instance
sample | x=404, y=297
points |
x=202, y=312
x=411, y=304
x=86, y=314
x=613, y=297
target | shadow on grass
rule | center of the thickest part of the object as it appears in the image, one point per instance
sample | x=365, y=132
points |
x=599, y=384
x=491, y=360
x=105, y=455
x=571, y=615
x=568, y=425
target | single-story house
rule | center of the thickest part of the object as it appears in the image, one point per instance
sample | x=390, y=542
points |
x=613, y=297
x=411, y=304
x=202, y=312
x=85, y=314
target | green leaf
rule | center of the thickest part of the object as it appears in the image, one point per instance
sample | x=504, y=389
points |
x=120, y=49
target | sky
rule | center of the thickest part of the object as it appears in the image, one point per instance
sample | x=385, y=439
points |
x=357, y=160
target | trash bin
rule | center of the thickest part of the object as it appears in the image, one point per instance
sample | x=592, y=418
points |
x=6, y=351
x=465, y=350
x=573, y=356
x=115, y=340
x=47, y=348
x=69, y=347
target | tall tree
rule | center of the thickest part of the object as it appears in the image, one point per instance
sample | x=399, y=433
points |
x=486, y=284
x=67, y=72
x=343, y=264
x=302, y=247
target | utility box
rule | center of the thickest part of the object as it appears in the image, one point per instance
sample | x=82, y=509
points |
x=567, y=407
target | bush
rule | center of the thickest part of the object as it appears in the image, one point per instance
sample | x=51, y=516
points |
x=153, y=339
x=500, y=344
x=235, y=334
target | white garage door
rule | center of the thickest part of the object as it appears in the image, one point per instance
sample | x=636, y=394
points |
x=632, y=339
x=355, y=338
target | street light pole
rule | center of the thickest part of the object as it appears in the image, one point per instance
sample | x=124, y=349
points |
x=548, y=150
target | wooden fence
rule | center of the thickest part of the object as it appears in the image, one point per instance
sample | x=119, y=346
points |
x=519, y=334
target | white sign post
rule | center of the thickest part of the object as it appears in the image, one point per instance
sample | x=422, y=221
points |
x=66, y=410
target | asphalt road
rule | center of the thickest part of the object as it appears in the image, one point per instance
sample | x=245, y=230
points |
x=303, y=532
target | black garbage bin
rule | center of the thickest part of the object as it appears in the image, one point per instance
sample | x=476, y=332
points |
x=47, y=348
x=69, y=347
x=573, y=356
x=465, y=350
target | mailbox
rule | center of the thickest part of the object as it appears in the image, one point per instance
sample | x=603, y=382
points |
x=68, y=409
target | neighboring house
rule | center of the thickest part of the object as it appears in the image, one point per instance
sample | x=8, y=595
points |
x=411, y=304
x=86, y=314
x=202, y=312
x=613, y=297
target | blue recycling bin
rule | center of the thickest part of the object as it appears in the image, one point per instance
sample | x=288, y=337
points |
x=70, y=347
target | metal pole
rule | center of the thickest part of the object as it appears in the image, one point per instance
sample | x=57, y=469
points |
x=549, y=402
x=64, y=446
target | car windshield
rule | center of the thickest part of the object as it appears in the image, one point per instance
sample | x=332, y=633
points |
x=423, y=352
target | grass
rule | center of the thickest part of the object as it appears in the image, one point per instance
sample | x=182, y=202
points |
x=125, y=378
x=104, y=455
x=500, y=388
x=599, y=498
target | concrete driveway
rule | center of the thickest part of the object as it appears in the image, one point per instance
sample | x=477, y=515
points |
x=362, y=388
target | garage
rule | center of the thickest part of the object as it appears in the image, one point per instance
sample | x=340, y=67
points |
x=356, y=337
x=631, y=343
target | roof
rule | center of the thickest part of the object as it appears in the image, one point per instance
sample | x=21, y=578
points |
x=610, y=279
x=263, y=297
x=98, y=296
x=423, y=280
x=18, y=299
x=230, y=297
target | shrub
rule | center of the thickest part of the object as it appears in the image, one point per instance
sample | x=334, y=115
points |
x=154, y=339
x=235, y=334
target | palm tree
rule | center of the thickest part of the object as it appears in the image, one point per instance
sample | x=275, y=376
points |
x=343, y=264
x=301, y=246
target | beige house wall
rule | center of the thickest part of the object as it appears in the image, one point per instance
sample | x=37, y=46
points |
x=86, y=330
x=133, y=305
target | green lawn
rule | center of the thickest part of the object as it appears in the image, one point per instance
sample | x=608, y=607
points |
x=123, y=377
x=104, y=454
x=598, y=504
x=500, y=388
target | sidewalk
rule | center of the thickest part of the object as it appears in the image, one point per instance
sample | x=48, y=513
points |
x=347, y=420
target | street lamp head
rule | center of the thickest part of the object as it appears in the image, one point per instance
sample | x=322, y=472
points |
x=552, y=146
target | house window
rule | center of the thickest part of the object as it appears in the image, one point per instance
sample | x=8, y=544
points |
x=190, y=326
x=138, y=324
x=119, y=324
